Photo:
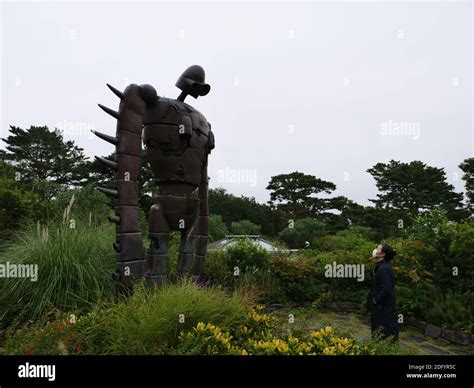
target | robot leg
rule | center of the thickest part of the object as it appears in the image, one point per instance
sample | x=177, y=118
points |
x=157, y=259
x=186, y=254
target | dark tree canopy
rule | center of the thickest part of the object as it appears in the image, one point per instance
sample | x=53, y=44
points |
x=467, y=166
x=234, y=209
x=413, y=188
x=245, y=227
x=296, y=195
x=384, y=222
x=39, y=154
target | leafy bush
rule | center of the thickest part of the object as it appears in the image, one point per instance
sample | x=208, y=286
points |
x=299, y=280
x=414, y=261
x=451, y=249
x=353, y=289
x=352, y=239
x=217, y=228
x=216, y=268
x=257, y=337
x=425, y=227
x=245, y=227
x=56, y=334
x=451, y=310
x=259, y=283
x=307, y=229
x=414, y=300
x=206, y=339
x=88, y=203
x=74, y=270
x=242, y=266
x=245, y=255
x=148, y=322
x=17, y=206
x=454, y=267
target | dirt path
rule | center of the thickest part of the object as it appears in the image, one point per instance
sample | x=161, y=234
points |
x=411, y=339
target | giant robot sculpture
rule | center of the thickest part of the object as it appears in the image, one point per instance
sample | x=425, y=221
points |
x=177, y=140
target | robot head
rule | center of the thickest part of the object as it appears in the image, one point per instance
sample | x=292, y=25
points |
x=192, y=82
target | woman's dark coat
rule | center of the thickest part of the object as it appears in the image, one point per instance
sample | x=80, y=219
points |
x=382, y=302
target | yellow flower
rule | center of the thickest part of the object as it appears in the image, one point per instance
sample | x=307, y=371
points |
x=293, y=340
x=315, y=334
x=329, y=351
x=329, y=330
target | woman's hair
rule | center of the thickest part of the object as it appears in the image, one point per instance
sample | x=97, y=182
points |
x=389, y=252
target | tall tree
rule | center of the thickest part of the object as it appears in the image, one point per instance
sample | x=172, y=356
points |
x=41, y=156
x=467, y=166
x=413, y=188
x=296, y=195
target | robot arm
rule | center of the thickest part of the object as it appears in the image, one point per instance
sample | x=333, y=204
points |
x=129, y=241
x=202, y=225
x=203, y=218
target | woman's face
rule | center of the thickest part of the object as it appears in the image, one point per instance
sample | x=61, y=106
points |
x=377, y=253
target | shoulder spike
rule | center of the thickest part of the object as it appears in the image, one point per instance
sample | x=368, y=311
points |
x=111, y=139
x=109, y=163
x=110, y=192
x=110, y=111
x=117, y=92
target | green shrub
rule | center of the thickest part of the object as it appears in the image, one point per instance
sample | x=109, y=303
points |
x=261, y=285
x=354, y=289
x=17, y=206
x=148, y=322
x=452, y=310
x=452, y=249
x=217, y=228
x=75, y=269
x=307, y=229
x=215, y=267
x=56, y=334
x=454, y=267
x=245, y=255
x=257, y=282
x=414, y=300
x=245, y=227
x=257, y=337
x=425, y=227
x=299, y=279
x=352, y=239
x=414, y=262
x=89, y=203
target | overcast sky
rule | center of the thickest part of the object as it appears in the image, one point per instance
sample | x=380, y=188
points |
x=321, y=88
